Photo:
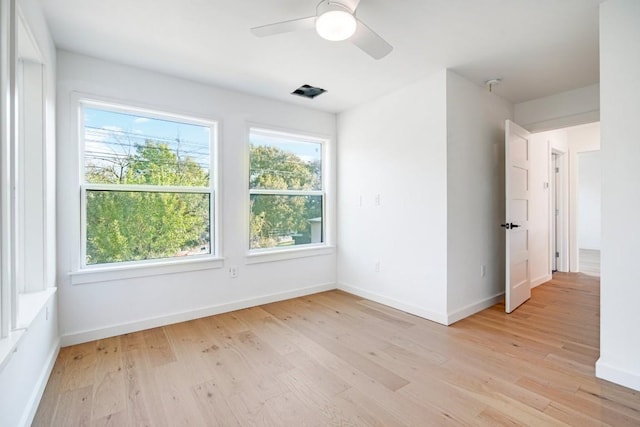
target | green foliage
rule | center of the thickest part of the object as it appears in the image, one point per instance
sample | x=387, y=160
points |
x=138, y=225
x=275, y=169
x=276, y=216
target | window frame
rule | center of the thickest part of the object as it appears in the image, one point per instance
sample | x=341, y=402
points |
x=259, y=255
x=88, y=273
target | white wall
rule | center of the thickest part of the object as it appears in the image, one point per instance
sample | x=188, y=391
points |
x=572, y=116
x=434, y=153
x=394, y=148
x=571, y=108
x=24, y=375
x=581, y=139
x=475, y=196
x=620, y=95
x=589, y=200
x=539, y=209
x=89, y=311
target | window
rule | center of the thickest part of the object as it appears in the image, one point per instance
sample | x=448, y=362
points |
x=147, y=186
x=286, y=190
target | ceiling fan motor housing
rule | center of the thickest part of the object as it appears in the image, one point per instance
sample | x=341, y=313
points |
x=335, y=21
x=328, y=6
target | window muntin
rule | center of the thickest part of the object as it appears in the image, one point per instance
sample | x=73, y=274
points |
x=147, y=186
x=286, y=190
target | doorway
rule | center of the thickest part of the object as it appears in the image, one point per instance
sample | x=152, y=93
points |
x=588, y=212
x=555, y=212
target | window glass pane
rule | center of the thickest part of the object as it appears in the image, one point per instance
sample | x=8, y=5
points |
x=279, y=162
x=132, y=226
x=280, y=221
x=122, y=148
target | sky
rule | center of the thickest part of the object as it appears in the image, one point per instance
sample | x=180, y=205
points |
x=109, y=133
x=307, y=151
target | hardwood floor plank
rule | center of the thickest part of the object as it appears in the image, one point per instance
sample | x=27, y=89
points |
x=159, y=350
x=213, y=405
x=144, y=406
x=109, y=395
x=328, y=340
x=337, y=359
x=118, y=419
x=74, y=407
x=48, y=405
x=80, y=362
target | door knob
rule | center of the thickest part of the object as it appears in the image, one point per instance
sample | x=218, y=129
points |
x=509, y=225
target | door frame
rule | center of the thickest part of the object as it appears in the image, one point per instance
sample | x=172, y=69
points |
x=562, y=188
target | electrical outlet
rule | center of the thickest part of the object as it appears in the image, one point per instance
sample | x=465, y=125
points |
x=483, y=270
x=377, y=267
x=377, y=200
x=233, y=271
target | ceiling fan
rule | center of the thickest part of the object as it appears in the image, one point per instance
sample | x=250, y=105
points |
x=335, y=21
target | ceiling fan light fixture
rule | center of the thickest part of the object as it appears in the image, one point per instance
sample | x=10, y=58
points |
x=336, y=25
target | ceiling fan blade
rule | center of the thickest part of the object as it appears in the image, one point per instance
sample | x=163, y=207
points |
x=370, y=42
x=285, y=27
x=351, y=4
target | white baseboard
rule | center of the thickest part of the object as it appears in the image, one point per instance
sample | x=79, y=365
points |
x=154, y=322
x=399, y=305
x=540, y=280
x=474, y=308
x=608, y=372
x=38, y=390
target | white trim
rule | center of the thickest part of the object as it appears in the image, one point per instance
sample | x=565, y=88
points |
x=608, y=372
x=474, y=308
x=83, y=273
x=564, y=122
x=540, y=280
x=38, y=390
x=122, y=271
x=8, y=346
x=258, y=256
x=562, y=232
x=30, y=304
x=393, y=303
x=7, y=39
x=144, y=188
x=262, y=191
x=153, y=322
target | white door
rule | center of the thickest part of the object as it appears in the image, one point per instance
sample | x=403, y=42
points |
x=518, y=285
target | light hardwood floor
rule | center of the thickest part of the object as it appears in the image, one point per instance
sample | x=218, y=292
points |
x=336, y=359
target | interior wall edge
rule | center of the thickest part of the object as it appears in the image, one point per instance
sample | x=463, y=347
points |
x=474, y=308
x=394, y=303
x=540, y=280
x=41, y=384
x=608, y=372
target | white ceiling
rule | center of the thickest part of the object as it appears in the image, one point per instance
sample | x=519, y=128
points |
x=538, y=47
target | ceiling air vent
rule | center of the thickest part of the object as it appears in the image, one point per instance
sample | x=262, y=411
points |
x=307, y=91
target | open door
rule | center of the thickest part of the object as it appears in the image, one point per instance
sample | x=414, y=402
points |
x=518, y=284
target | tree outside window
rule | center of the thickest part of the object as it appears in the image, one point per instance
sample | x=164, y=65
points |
x=285, y=190
x=147, y=190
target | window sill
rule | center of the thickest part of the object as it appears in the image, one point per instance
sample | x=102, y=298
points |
x=8, y=346
x=273, y=255
x=30, y=305
x=111, y=273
